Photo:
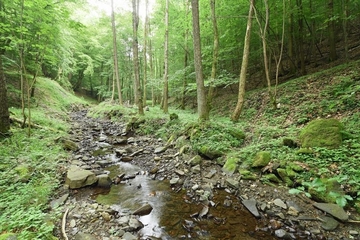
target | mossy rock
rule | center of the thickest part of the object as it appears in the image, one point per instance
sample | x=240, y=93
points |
x=209, y=152
x=173, y=116
x=331, y=185
x=247, y=175
x=284, y=177
x=290, y=143
x=23, y=173
x=322, y=133
x=290, y=172
x=261, y=159
x=271, y=177
x=195, y=160
x=307, y=151
x=230, y=165
x=69, y=145
x=236, y=133
x=295, y=167
x=8, y=236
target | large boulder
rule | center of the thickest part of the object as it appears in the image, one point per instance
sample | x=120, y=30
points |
x=322, y=133
x=261, y=159
x=77, y=177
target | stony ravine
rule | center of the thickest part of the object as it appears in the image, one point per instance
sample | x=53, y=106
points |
x=248, y=209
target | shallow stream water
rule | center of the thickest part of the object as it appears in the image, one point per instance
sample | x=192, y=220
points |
x=174, y=215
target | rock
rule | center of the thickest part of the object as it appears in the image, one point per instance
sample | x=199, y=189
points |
x=106, y=216
x=84, y=236
x=77, y=178
x=230, y=165
x=126, y=158
x=144, y=210
x=294, y=205
x=328, y=223
x=289, y=143
x=278, y=202
x=271, y=177
x=72, y=223
x=104, y=181
x=261, y=159
x=333, y=209
x=292, y=211
x=196, y=169
x=210, y=174
x=251, y=206
x=128, y=236
x=134, y=225
x=281, y=233
x=104, y=145
x=160, y=149
x=58, y=202
x=69, y=145
x=174, y=180
x=322, y=133
x=179, y=172
x=353, y=232
x=195, y=160
x=331, y=186
x=209, y=152
x=232, y=183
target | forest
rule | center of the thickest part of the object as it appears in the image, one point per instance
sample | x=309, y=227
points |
x=213, y=67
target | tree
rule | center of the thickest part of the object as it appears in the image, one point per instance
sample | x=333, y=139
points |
x=146, y=28
x=201, y=94
x=4, y=111
x=116, y=65
x=166, y=59
x=215, y=54
x=242, y=81
x=137, y=86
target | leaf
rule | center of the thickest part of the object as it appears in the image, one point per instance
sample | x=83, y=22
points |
x=294, y=191
x=341, y=202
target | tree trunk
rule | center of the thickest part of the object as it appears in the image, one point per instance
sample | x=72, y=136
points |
x=201, y=94
x=4, y=110
x=331, y=31
x=215, y=55
x=186, y=54
x=166, y=59
x=345, y=27
x=300, y=37
x=145, y=51
x=116, y=65
x=137, y=86
x=242, y=80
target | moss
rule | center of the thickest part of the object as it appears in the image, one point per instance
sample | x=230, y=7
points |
x=357, y=205
x=247, y=175
x=261, y=159
x=295, y=167
x=271, y=177
x=8, y=236
x=23, y=173
x=290, y=172
x=238, y=134
x=209, y=152
x=322, y=133
x=173, y=116
x=283, y=175
x=230, y=165
x=304, y=151
x=289, y=143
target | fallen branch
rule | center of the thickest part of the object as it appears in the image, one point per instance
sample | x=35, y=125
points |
x=63, y=225
x=33, y=125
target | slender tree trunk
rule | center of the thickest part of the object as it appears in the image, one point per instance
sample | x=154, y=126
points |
x=300, y=38
x=116, y=65
x=211, y=92
x=331, y=31
x=242, y=80
x=145, y=51
x=166, y=59
x=291, y=47
x=137, y=86
x=345, y=27
x=4, y=110
x=186, y=54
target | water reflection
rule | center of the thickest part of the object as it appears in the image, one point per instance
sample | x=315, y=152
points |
x=173, y=215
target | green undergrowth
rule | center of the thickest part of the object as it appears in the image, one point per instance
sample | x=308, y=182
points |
x=31, y=166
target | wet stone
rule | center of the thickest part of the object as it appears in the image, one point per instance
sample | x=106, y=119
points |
x=328, y=223
x=144, y=210
x=251, y=206
x=232, y=183
x=333, y=209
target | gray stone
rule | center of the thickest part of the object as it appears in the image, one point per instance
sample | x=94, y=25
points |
x=180, y=172
x=280, y=203
x=196, y=169
x=77, y=178
x=72, y=223
x=281, y=233
x=128, y=236
x=328, y=223
x=134, y=225
x=251, y=206
x=353, y=232
x=103, y=163
x=144, y=210
x=160, y=149
x=84, y=236
x=232, y=183
x=333, y=209
x=294, y=205
x=104, y=181
x=174, y=180
x=195, y=160
x=104, y=145
x=58, y=202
